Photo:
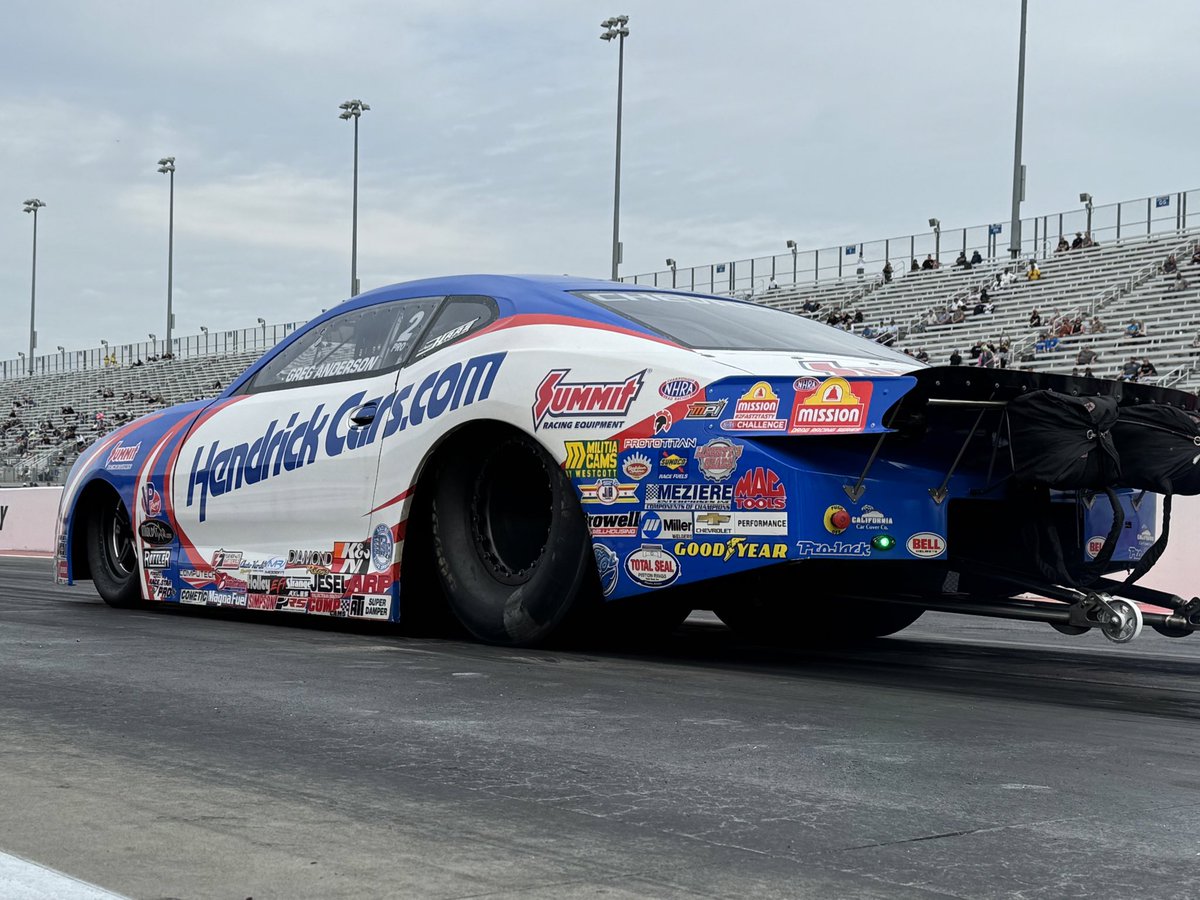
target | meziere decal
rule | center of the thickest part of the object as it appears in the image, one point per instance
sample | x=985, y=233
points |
x=832, y=406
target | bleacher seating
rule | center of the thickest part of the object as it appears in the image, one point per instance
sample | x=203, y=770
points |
x=31, y=451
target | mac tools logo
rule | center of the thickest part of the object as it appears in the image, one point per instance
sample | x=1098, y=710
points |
x=587, y=404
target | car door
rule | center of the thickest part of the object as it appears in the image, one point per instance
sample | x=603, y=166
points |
x=279, y=474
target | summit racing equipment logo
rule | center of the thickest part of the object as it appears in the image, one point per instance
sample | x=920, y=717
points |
x=564, y=404
x=830, y=406
x=121, y=457
x=216, y=471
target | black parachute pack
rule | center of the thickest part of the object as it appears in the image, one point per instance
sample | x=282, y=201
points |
x=1061, y=442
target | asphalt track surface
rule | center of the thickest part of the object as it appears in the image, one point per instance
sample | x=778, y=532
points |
x=185, y=754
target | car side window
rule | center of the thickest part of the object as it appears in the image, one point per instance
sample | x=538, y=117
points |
x=353, y=345
x=459, y=317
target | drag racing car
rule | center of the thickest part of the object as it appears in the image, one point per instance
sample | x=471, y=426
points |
x=522, y=452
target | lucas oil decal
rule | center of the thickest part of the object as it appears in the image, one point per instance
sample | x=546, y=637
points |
x=309, y=435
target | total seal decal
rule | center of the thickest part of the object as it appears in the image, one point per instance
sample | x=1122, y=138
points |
x=607, y=567
x=559, y=403
x=217, y=471
x=756, y=410
x=832, y=406
x=734, y=548
x=591, y=459
x=651, y=566
x=718, y=458
x=926, y=545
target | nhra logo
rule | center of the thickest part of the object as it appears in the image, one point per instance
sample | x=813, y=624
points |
x=760, y=489
x=217, y=471
x=679, y=388
x=830, y=407
x=557, y=398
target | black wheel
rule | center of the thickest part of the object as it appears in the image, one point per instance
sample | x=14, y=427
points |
x=510, y=542
x=764, y=612
x=112, y=553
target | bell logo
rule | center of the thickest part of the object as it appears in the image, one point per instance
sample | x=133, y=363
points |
x=926, y=544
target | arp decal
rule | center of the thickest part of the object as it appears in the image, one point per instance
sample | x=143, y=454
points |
x=718, y=459
x=591, y=459
x=607, y=567
x=832, y=406
x=652, y=566
x=304, y=439
x=559, y=403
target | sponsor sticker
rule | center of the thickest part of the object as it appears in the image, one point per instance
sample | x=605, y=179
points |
x=926, y=544
x=760, y=489
x=151, y=500
x=855, y=549
x=718, y=458
x=767, y=523
x=651, y=566
x=623, y=524
x=156, y=559
x=705, y=409
x=672, y=465
x=382, y=547
x=667, y=526
x=121, y=457
x=608, y=491
x=156, y=532
x=658, y=443
x=309, y=558
x=607, y=567
x=679, y=388
x=825, y=367
x=193, y=597
x=689, y=496
x=871, y=519
x=756, y=410
x=369, y=583
x=837, y=518
x=832, y=406
x=663, y=420
x=591, y=459
x=734, y=548
x=636, y=466
x=268, y=564
x=1094, y=545
x=226, y=559
x=559, y=403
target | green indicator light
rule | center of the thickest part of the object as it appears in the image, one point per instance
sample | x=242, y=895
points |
x=883, y=542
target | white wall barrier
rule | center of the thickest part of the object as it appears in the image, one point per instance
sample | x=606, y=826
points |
x=1178, y=571
x=27, y=518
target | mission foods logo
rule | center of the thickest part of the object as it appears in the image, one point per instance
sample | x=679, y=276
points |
x=218, y=470
x=756, y=410
x=564, y=404
x=832, y=406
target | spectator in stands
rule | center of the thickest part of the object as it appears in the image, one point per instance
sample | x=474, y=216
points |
x=1196, y=255
x=1135, y=328
x=1034, y=272
x=888, y=271
x=1171, y=265
x=1078, y=242
x=928, y=264
x=922, y=356
x=957, y=316
x=1097, y=326
x=961, y=260
x=1063, y=246
x=955, y=358
x=811, y=306
x=1129, y=371
x=1086, y=356
x=1002, y=355
x=976, y=259
x=1087, y=373
x=1146, y=369
x=976, y=349
x=1089, y=241
x=1179, y=284
x=915, y=267
x=858, y=317
x=987, y=357
x=772, y=285
x=1035, y=318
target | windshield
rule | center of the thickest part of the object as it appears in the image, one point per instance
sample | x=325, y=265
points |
x=715, y=323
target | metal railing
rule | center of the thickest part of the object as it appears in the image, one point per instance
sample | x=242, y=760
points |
x=1159, y=214
x=216, y=343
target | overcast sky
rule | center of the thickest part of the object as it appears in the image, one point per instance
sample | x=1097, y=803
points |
x=489, y=145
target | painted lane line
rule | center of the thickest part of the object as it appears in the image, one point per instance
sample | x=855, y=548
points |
x=20, y=877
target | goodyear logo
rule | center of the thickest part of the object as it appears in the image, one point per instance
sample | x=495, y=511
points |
x=592, y=459
x=734, y=548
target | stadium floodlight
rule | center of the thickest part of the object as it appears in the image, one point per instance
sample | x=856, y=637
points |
x=32, y=206
x=1086, y=199
x=353, y=109
x=617, y=27
x=935, y=223
x=204, y=328
x=151, y=336
x=166, y=166
x=671, y=263
x=791, y=245
x=62, y=349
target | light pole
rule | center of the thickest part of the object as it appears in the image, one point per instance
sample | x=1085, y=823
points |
x=936, y=225
x=62, y=355
x=166, y=166
x=204, y=328
x=1018, y=190
x=617, y=27
x=153, y=343
x=32, y=206
x=353, y=109
x=263, y=322
x=671, y=263
x=791, y=245
x=104, y=353
x=1086, y=200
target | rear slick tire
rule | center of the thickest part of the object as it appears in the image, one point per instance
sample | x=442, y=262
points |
x=112, y=553
x=831, y=622
x=510, y=543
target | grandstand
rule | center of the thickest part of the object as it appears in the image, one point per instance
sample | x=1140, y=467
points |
x=76, y=397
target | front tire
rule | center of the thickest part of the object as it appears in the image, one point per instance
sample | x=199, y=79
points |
x=112, y=553
x=510, y=542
